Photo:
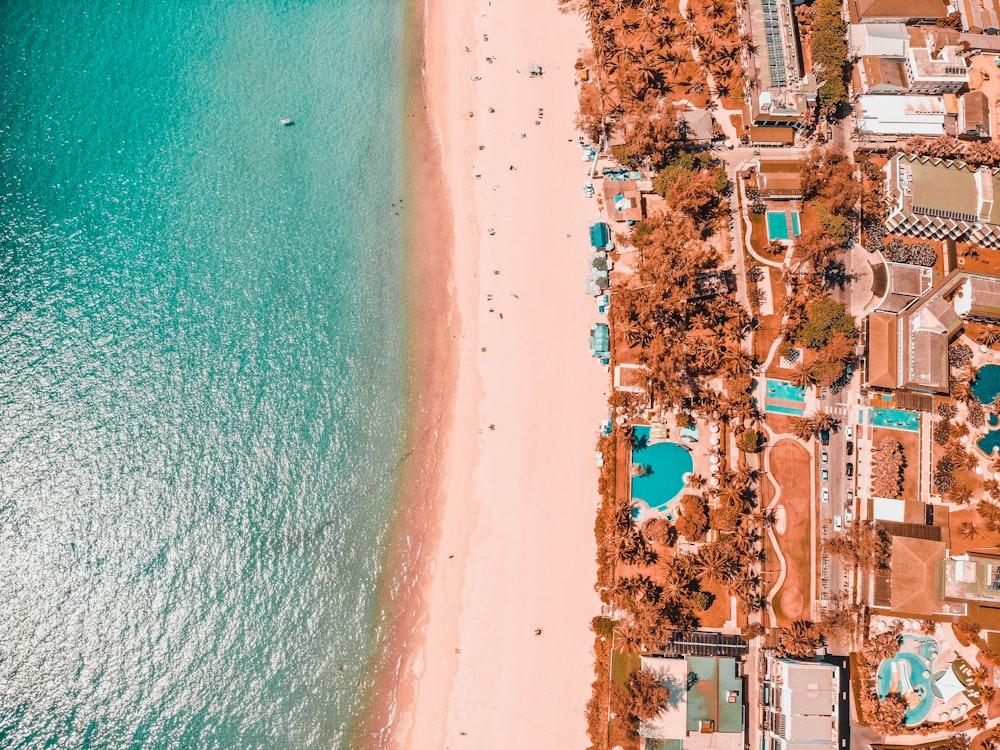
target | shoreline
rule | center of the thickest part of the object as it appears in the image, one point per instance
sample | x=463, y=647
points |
x=503, y=545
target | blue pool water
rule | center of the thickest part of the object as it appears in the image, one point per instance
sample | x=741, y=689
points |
x=986, y=386
x=782, y=389
x=668, y=463
x=777, y=227
x=895, y=419
x=989, y=441
x=911, y=671
x=993, y=420
x=791, y=411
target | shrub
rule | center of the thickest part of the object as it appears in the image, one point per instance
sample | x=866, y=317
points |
x=947, y=410
x=924, y=254
x=959, y=355
x=898, y=251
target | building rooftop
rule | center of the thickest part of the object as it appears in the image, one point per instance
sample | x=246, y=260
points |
x=882, y=74
x=882, y=39
x=901, y=115
x=974, y=114
x=715, y=694
x=980, y=16
x=671, y=722
x=896, y=10
x=914, y=589
x=972, y=577
x=882, y=350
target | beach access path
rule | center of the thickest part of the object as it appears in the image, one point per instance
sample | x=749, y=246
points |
x=520, y=485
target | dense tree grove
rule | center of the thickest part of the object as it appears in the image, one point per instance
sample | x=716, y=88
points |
x=830, y=55
x=887, y=468
x=864, y=545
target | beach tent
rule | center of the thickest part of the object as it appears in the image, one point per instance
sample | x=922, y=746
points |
x=599, y=234
x=600, y=340
x=535, y=70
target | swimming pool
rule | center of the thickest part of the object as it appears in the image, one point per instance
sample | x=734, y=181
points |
x=777, y=225
x=989, y=441
x=793, y=411
x=895, y=419
x=785, y=391
x=986, y=386
x=909, y=672
x=666, y=464
x=784, y=398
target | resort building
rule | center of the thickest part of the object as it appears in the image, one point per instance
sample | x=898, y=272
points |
x=878, y=40
x=908, y=335
x=783, y=93
x=934, y=64
x=623, y=200
x=705, y=708
x=970, y=578
x=800, y=707
x=696, y=127
x=897, y=11
x=909, y=587
x=939, y=199
x=980, y=16
x=909, y=60
x=779, y=179
x=904, y=116
x=974, y=116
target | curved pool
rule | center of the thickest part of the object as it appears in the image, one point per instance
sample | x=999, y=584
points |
x=986, y=386
x=666, y=464
x=909, y=673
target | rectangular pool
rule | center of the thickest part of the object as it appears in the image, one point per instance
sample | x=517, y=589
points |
x=895, y=419
x=777, y=225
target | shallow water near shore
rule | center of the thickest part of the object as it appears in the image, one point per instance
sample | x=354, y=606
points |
x=202, y=394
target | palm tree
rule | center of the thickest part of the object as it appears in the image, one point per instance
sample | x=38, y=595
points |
x=715, y=563
x=629, y=638
x=968, y=530
x=804, y=375
x=962, y=391
x=800, y=639
x=823, y=421
x=802, y=428
x=989, y=336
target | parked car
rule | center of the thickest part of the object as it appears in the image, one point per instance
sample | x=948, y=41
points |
x=824, y=437
x=850, y=497
x=850, y=447
x=825, y=494
x=850, y=469
x=824, y=475
x=849, y=432
x=848, y=515
x=837, y=525
x=824, y=456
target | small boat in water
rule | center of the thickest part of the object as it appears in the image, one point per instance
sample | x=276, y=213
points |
x=286, y=123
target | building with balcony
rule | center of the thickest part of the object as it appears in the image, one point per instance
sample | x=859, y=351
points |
x=800, y=706
x=939, y=199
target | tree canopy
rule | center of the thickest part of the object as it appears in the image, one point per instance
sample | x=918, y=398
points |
x=825, y=318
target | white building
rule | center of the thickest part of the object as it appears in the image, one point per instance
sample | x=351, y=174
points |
x=901, y=115
x=800, y=705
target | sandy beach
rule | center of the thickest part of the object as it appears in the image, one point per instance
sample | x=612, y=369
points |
x=518, y=488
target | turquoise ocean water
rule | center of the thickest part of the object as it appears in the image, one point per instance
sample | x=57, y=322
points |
x=201, y=366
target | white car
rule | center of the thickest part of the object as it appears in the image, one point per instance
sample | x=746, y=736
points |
x=824, y=456
x=825, y=495
x=824, y=475
x=837, y=526
x=849, y=432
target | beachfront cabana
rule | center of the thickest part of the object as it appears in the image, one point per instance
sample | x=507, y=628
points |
x=599, y=234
